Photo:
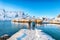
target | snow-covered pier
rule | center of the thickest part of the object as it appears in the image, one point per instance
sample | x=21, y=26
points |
x=26, y=34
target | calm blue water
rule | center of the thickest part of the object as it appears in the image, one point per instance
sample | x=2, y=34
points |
x=52, y=30
x=6, y=27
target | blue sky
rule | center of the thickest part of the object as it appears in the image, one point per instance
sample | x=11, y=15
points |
x=33, y=7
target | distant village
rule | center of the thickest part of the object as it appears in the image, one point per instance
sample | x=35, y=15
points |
x=9, y=15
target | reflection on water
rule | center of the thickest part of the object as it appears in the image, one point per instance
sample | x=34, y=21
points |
x=6, y=27
x=52, y=30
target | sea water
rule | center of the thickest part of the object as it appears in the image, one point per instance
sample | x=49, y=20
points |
x=52, y=30
x=6, y=27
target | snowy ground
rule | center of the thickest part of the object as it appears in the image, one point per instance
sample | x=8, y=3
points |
x=26, y=34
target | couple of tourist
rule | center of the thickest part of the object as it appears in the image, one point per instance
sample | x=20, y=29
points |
x=32, y=25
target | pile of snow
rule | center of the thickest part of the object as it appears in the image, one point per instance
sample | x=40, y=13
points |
x=26, y=34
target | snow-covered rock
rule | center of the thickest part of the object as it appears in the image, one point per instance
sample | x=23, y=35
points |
x=26, y=34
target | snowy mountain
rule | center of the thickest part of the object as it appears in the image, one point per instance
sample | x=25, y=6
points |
x=8, y=15
x=2, y=14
